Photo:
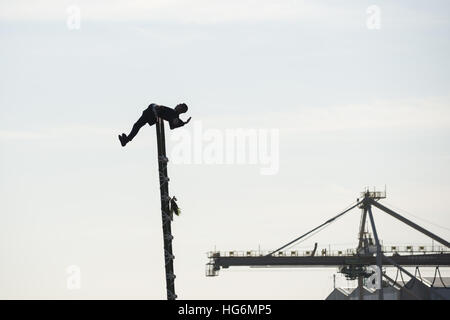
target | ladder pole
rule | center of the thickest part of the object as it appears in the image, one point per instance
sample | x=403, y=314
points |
x=166, y=216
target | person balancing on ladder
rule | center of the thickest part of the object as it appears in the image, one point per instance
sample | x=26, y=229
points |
x=150, y=116
x=156, y=114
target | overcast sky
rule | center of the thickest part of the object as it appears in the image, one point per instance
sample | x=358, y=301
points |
x=354, y=107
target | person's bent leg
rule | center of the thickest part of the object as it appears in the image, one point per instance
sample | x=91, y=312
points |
x=136, y=127
x=147, y=117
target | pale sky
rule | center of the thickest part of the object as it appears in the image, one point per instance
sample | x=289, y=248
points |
x=355, y=107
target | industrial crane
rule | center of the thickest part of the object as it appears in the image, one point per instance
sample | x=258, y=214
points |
x=353, y=263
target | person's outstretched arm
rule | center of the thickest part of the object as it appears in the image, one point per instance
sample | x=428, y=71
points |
x=176, y=123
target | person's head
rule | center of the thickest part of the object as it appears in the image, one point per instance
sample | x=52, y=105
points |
x=181, y=108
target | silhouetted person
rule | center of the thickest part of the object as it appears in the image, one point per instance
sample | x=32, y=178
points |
x=150, y=115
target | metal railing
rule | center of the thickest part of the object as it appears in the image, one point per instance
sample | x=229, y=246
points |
x=389, y=249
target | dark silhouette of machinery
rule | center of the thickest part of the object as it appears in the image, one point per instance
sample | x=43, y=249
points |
x=353, y=263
